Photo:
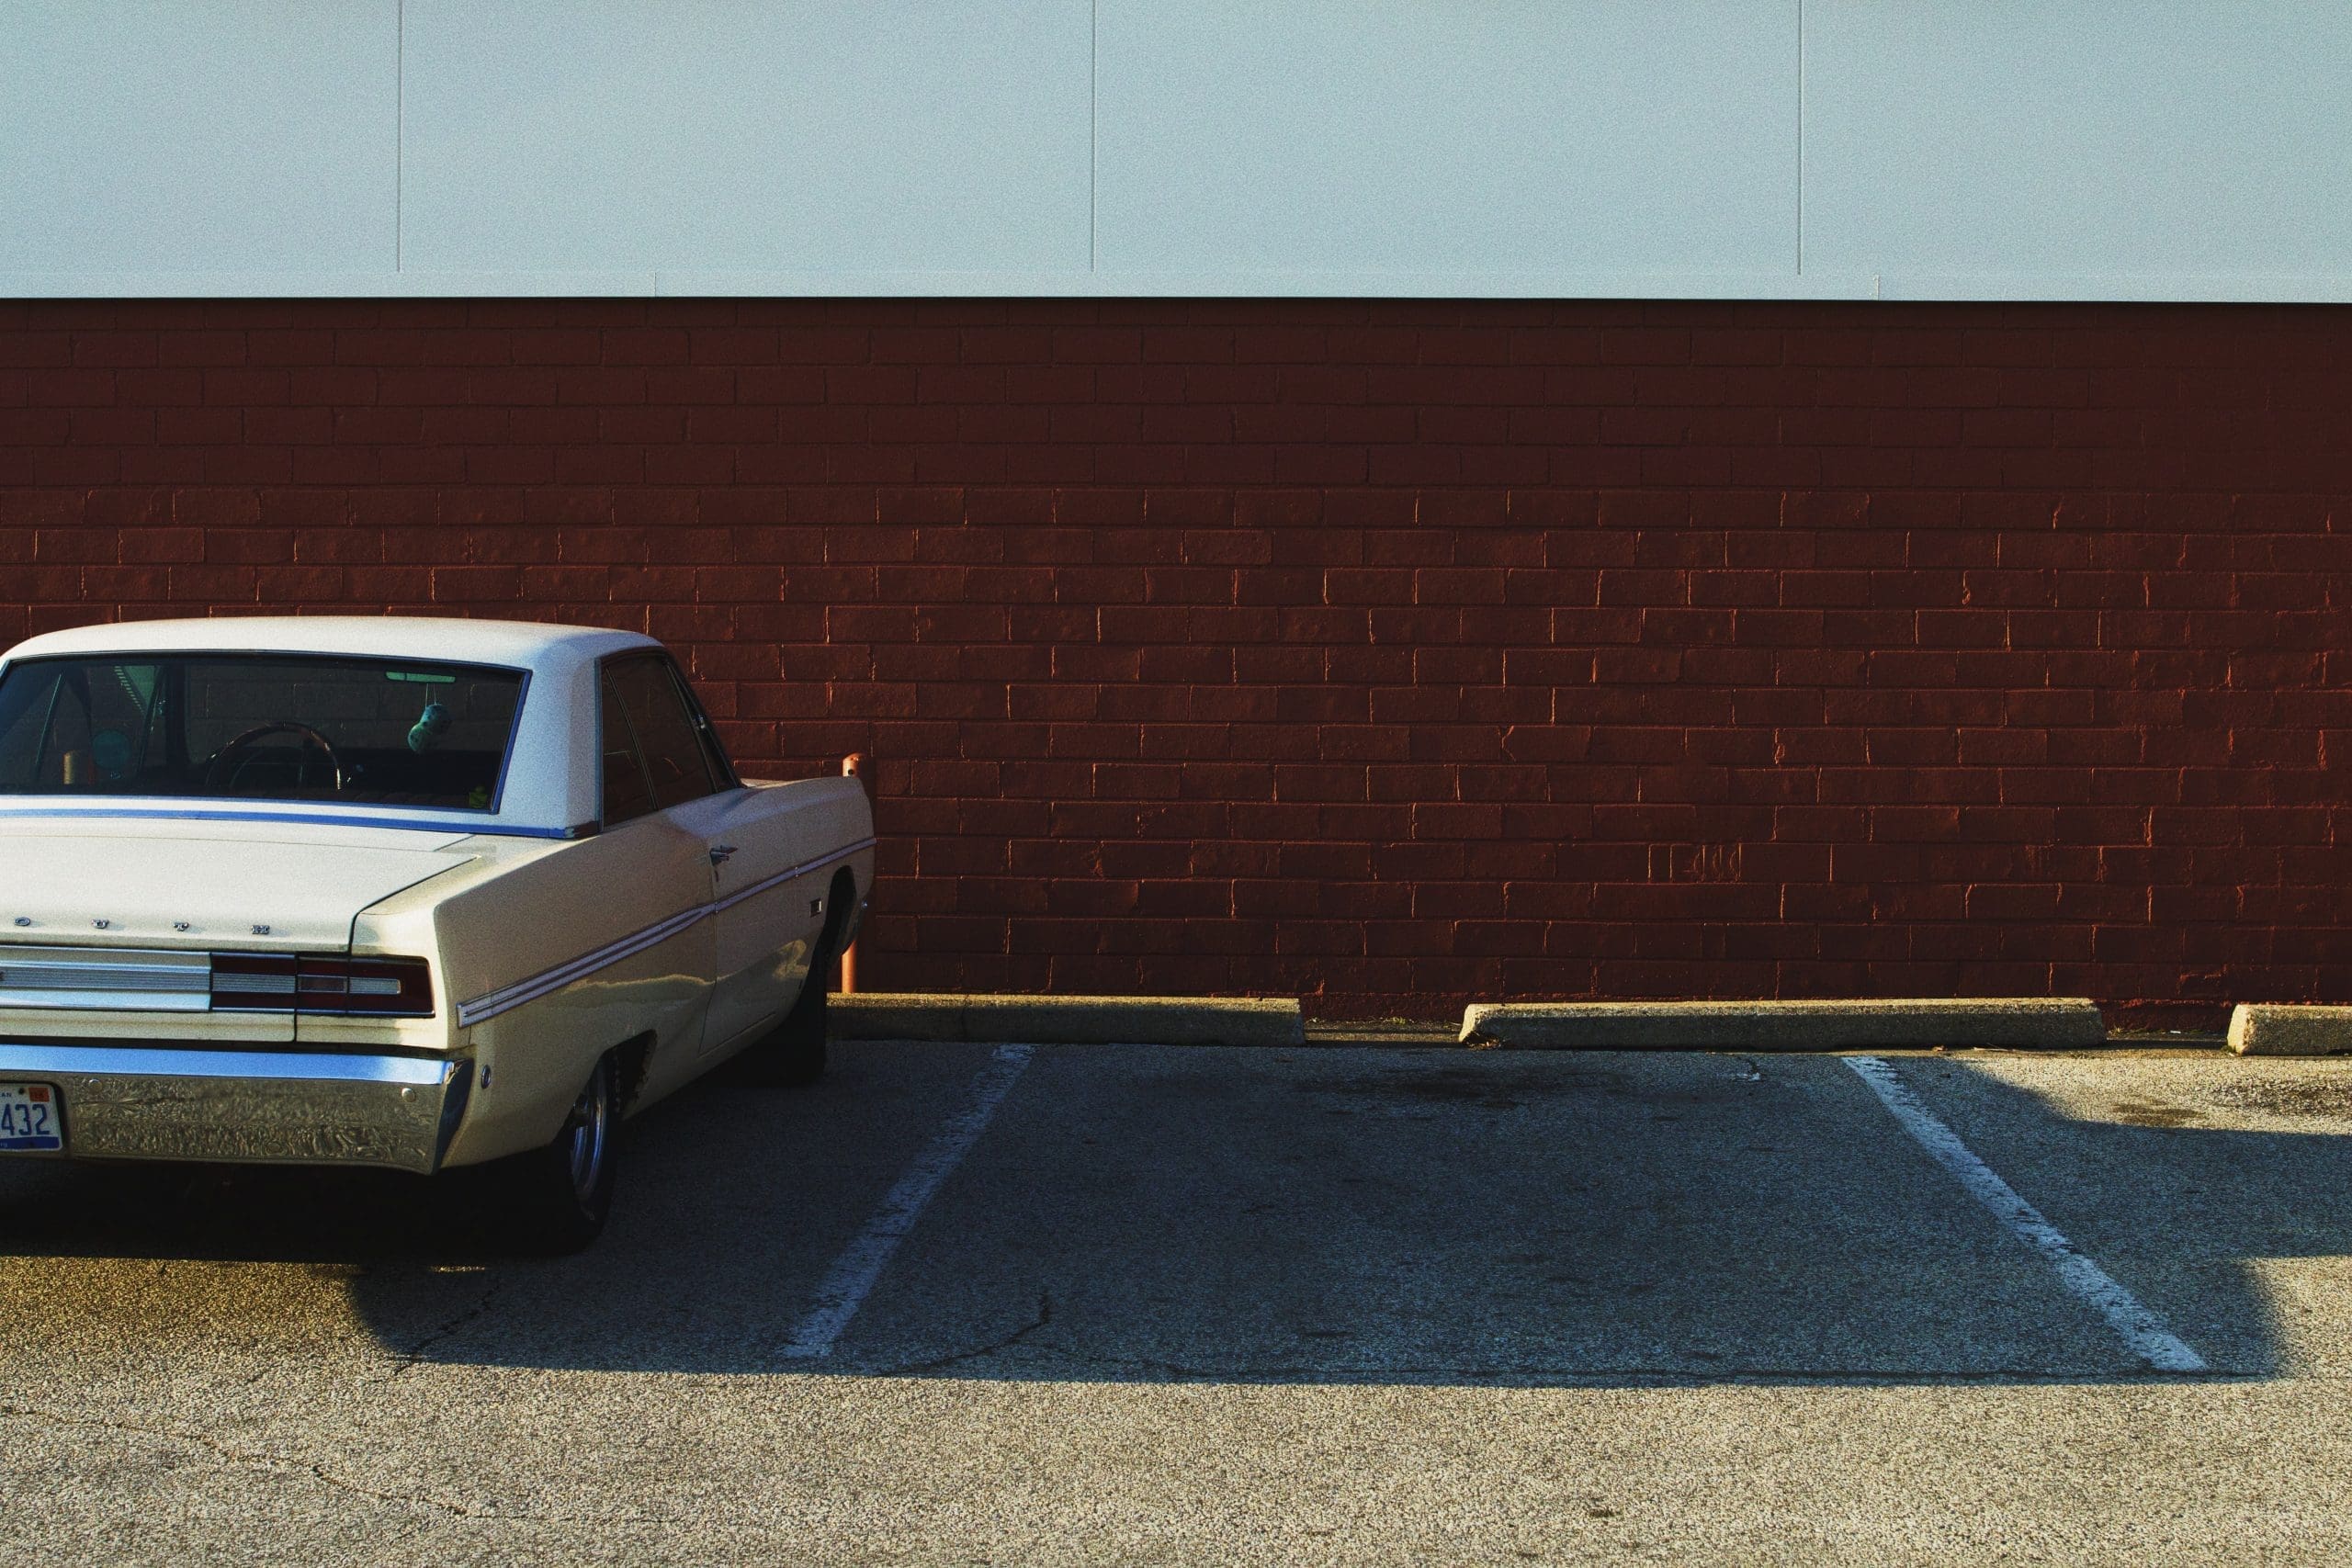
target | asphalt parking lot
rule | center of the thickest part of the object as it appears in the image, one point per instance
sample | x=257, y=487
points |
x=964, y=1304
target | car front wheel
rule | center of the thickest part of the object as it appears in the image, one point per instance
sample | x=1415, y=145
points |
x=793, y=1056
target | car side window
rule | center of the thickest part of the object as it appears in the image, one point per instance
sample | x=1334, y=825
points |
x=677, y=766
x=722, y=770
x=627, y=792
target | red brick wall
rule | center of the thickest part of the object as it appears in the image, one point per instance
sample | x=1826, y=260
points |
x=1390, y=654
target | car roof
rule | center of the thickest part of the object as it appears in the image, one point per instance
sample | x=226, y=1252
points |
x=552, y=778
x=528, y=645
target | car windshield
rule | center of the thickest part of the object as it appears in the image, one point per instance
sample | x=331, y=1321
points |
x=258, y=726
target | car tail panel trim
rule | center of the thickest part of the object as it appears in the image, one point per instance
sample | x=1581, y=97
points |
x=134, y=979
x=124, y=979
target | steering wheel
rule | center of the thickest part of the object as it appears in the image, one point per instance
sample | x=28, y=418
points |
x=231, y=760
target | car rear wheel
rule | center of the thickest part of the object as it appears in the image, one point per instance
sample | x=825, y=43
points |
x=557, y=1196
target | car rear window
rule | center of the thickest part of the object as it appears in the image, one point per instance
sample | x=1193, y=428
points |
x=259, y=727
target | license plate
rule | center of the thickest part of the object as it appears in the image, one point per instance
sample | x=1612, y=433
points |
x=31, y=1119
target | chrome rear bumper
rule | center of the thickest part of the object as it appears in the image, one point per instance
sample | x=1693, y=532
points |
x=249, y=1107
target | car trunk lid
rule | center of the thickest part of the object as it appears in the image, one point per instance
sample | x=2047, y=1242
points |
x=210, y=886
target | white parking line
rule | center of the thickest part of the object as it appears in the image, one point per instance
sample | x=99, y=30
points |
x=2140, y=1329
x=844, y=1287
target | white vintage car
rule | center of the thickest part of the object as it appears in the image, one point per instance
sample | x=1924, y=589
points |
x=394, y=892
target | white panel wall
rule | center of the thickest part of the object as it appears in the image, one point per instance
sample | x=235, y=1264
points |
x=160, y=138
x=1505, y=136
x=2069, y=148
x=1982, y=146
x=718, y=135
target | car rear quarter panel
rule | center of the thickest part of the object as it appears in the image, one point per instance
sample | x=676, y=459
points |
x=526, y=911
x=768, y=928
x=540, y=913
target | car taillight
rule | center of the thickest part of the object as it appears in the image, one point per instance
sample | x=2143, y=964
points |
x=254, y=982
x=322, y=983
x=401, y=986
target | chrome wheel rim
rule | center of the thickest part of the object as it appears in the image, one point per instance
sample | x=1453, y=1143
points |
x=584, y=1138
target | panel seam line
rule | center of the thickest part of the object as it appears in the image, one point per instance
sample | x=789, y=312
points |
x=1093, y=135
x=399, y=132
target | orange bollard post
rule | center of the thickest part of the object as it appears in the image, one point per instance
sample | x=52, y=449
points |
x=853, y=767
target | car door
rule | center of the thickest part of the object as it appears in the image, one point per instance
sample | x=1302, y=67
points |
x=771, y=892
x=655, y=797
x=765, y=920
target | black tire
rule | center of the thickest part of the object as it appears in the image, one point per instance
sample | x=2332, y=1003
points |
x=556, y=1199
x=793, y=1056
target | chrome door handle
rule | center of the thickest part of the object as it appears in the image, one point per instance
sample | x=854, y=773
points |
x=719, y=853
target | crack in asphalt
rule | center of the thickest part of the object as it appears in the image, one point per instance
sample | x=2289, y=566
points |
x=406, y=1361
x=1583, y=1377
x=1548, y=1377
x=249, y=1459
x=281, y=1464
x=998, y=1346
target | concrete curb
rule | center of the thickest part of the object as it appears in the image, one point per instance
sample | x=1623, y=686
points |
x=2052, y=1023
x=1068, y=1020
x=2277, y=1029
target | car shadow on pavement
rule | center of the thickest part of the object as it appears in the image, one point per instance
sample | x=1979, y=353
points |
x=1405, y=1217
